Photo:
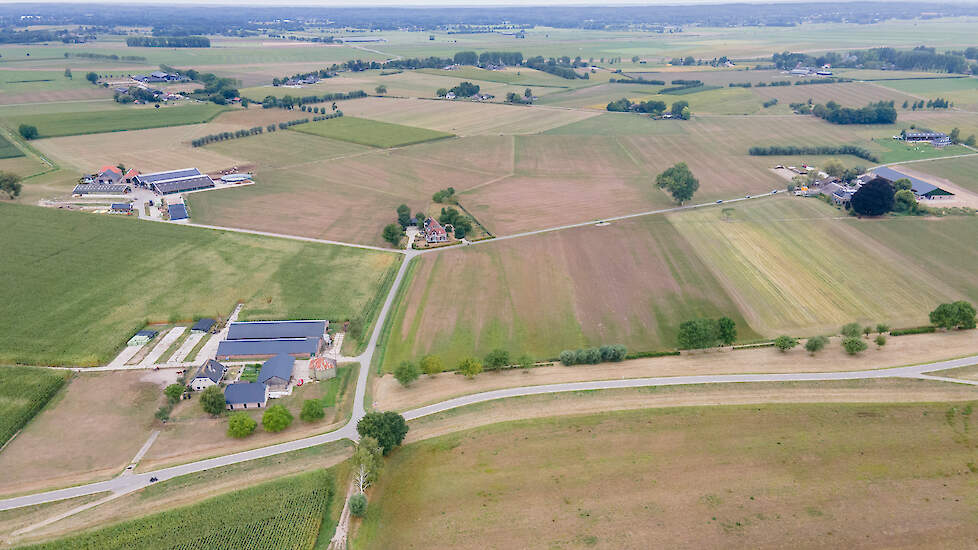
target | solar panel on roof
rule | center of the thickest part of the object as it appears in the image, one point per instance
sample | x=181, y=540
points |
x=172, y=174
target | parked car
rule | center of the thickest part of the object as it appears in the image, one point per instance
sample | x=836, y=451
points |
x=719, y=202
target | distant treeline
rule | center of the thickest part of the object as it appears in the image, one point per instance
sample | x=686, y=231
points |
x=921, y=58
x=321, y=73
x=107, y=57
x=10, y=36
x=257, y=130
x=289, y=102
x=168, y=42
x=558, y=66
x=794, y=150
x=637, y=81
x=882, y=112
x=488, y=58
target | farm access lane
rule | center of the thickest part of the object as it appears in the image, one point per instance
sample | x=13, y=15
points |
x=134, y=482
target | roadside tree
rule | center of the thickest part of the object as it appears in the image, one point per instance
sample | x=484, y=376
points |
x=679, y=182
x=358, y=505
x=367, y=462
x=276, y=418
x=27, y=131
x=785, y=342
x=853, y=345
x=312, y=410
x=406, y=372
x=815, y=344
x=470, y=366
x=388, y=428
x=432, y=364
x=241, y=425
x=697, y=334
x=496, y=359
x=212, y=400
x=960, y=315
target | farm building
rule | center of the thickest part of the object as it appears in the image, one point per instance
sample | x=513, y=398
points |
x=277, y=372
x=434, y=232
x=296, y=347
x=115, y=189
x=250, y=330
x=108, y=175
x=175, y=181
x=920, y=188
x=142, y=338
x=270, y=338
x=203, y=325
x=235, y=178
x=322, y=368
x=121, y=208
x=937, y=139
x=245, y=395
x=210, y=373
x=178, y=211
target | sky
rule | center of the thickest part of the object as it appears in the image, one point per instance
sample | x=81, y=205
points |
x=420, y=3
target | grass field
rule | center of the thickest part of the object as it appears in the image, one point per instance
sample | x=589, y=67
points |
x=8, y=149
x=960, y=171
x=932, y=86
x=283, y=514
x=521, y=76
x=760, y=476
x=898, y=151
x=52, y=255
x=370, y=132
x=24, y=391
x=626, y=283
x=116, y=120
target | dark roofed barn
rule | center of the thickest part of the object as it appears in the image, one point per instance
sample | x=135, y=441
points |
x=268, y=347
x=203, y=325
x=277, y=371
x=180, y=185
x=246, y=395
x=177, y=212
x=919, y=187
x=276, y=329
x=101, y=189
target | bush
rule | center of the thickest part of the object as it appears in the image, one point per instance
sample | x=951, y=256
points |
x=913, y=330
x=525, y=361
x=496, y=359
x=785, y=343
x=432, y=364
x=613, y=353
x=880, y=340
x=406, y=372
x=852, y=330
x=241, y=425
x=173, y=392
x=568, y=357
x=312, y=410
x=816, y=344
x=882, y=327
x=470, y=366
x=212, y=401
x=276, y=419
x=358, y=505
x=853, y=345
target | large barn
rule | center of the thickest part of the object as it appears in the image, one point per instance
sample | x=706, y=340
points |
x=263, y=339
x=176, y=181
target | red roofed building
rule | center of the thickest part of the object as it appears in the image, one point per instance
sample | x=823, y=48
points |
x=108, y=175
x=322, y=368
x=434, y=232
x=130, y=176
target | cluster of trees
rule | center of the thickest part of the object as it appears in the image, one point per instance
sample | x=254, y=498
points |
x=637, y=80
x=10, y=185
x=651, y=106
x=526, y=98
x=464, y=89
x=367, y=460
x=939, y=103
x=593, y=356
x=792, y=150
x=562, y=67
x=461, y=224
x=12, y=36
x=446, y=196
x=106, y=57
x=770, y=103
x=955, y=315
x=217, y=89
x=168, y=42
x=488, y=58
x=836, y=169
x=706, y=333
x=688, y=60
x=173, y=393
x=394, y=232
x=289, y=102
x=920, y=58
x=321, y=73
x=27, y=131
x=134, y=93
x=407, y=371
x=678, y=180
x=224, y=136
x=882, y=112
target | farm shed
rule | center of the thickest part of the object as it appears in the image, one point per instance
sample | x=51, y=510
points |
x=203, y=325
x=142, y=338
x=177, y=212
x=322, y=368
x=920, y=188
x=277, y=372
x=251, y=330
x=175, y=181
x=245, y=395
x=100, y=189
x=209, y=374
x=296, y=347
x=122, y=207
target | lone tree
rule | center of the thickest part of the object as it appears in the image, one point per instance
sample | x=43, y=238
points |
x=27, y=131
x=10, y=184
x=212, y=400
x=276, y=418
x=853, y=345
x=785, y=343
x=496, y=359
x=470, y=366
x=173, y=392
x=406, y=372
x=312, y=410
x=959, y=315
x=880, y=340
x=816, y=344
x=388, y=428
x=92, y=77
x=679, y=181
x=432, y=364
x=241, y=425
x=875, y=198
x=381, y=90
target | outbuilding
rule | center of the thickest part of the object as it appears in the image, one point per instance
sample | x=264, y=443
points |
x=276, y=373
x=142, y=338
x=209, y=374
x=245, y=395
x=203, y=325
x=177, y=211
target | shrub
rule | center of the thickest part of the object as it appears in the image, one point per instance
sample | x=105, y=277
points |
x=496, y=359
x=312, y=410
x=358, y=505
x=432, y=364
x=406, y=372
x=853, y=345
x=173, y=392
x=785, y=343
x=568, y=357
x=882, y=327
x=880, y=340
x=212, y=400
x=241, y=425
x=276, y=418
x=913, y=330
x=470, y=366
x=852, y=330
x=816, y=344
x=525, y=361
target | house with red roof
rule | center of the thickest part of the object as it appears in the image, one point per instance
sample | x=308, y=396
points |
x=130, y=176
x=434, y=232
x=108, y=175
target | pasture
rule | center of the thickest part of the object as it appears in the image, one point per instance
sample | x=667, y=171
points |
x=793, y=267
x=64, y=317
x=960, y=171
x=899, y=151
x=629, y=283
x=754, y=476
x=8, y=149
x=116, y=120
x=932, y=86
x=281, y=515
x=849, y=94
x=717, y=101
x=24, y=391
x=370, y=132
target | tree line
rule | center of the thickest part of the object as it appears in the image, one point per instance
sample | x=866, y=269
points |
x=168, y=42
x=257, y=130
x=289, y=102
x=557, y=67
x=794, y=150
x=920, y=58
x=107, y=57
x=882, y=112
x=488, y=58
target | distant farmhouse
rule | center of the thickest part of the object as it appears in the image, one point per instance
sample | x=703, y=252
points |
x=160, y=76
x=841, y=193
x=937, y=139
x=434, y=232
x=264, y=339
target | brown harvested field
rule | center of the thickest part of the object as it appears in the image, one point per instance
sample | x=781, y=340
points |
x=22, y=166
x=463, y=118
x=624, y=283
x=575, y=155
x=759, y=476
x=899, y=351
x=98, y=422
x=850, y=94
x=491, y=155
x=56, y=95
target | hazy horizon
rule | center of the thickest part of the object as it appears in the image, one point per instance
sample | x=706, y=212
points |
x=455, y=3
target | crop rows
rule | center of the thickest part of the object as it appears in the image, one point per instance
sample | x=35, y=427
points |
x=23, y=393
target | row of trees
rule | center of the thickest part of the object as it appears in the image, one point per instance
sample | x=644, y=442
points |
x=654, y=107
x=488, y=58
x=920, y=58
x=321, y=73
x=407, y=371
x=224, y=136
x=939, y=103
x=593, y=356
x=168, y=42
x=882, y=112
x=106, y=57
x=563, y=67
x=791, y=150
x=289, y=102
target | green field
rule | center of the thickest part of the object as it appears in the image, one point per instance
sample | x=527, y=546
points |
x=519, y=77
x=23, y=393
x=116, y=120
x=16, y=82
x=279, y=515
x=370, y=132
x=898, y=151
x=8, y=150
x=931, y=86
x=758, y=476
x=961, y=171
x=159, y=272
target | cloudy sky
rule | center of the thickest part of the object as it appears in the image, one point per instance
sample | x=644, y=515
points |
x=406, y=3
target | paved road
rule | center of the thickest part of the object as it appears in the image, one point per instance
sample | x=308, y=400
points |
x=133, y=482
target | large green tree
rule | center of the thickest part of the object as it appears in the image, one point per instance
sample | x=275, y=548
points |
x=406, y=372
x=874, y=198
x=212, y=400
x=276, y=418
x=679, y=182
x=241, y=425
x=388, y=428
x=27, y=131
x=10, y=184
x=393, y=233
x=496, y=359
x=697, y=334
x=958, y=314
